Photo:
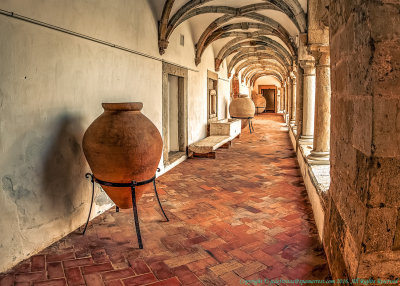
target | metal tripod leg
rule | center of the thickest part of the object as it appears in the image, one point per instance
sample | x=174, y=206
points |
x=250, y=125
x=91, y=202
x=158, y=199
x=135, y=215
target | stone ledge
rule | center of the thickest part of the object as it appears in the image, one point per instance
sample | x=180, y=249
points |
x=316, y=179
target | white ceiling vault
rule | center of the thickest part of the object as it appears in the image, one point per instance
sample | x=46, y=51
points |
x=244, y=32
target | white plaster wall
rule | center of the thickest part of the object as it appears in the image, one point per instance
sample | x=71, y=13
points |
x=51, y=88
x=243, y=87
x=266, y=80
x=198, y=85
x=223, y=98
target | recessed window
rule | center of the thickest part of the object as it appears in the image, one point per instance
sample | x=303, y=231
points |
x=182, y=40
x=212, y=97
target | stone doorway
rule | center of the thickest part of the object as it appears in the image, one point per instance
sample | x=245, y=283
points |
x=174, y=113
x=269, y=92
x=269, y=95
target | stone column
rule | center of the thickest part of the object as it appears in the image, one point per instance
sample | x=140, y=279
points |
x=293, y=101
x=307, y=132
x=285, y=97
x=322, y=122
x=288, y=99
x=299, y=102
x=278, y=100
x=282, y=107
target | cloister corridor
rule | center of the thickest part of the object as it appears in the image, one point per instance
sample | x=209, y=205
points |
x=243, y=216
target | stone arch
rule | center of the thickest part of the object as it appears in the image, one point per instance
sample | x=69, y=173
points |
x=261, y=62
x=291, y=8
x=255, y=55
x=263, y=70
x=238, y=44
x=163, y=25
x=263, y=30
x=261, y=74
x=256, y=49
x=223, y=19
x=253, y=67
x=230, y=10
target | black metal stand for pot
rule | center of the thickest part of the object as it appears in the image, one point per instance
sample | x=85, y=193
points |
x=133, y=186
x=251, y=128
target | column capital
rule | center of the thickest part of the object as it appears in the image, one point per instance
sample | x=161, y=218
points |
x=308, y=66
x=293, y=77
x=321, y=53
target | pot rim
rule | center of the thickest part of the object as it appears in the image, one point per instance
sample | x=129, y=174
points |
x=122, y=106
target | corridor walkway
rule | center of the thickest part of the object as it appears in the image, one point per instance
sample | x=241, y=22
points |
x=243, y=215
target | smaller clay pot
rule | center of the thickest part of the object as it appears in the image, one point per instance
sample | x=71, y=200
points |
x=242, y=107
x=260, y=103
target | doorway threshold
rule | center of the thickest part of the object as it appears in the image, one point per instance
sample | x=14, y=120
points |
x=174, y=159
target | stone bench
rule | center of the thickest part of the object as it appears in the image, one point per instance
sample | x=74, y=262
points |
x=206, y=147
x=222, y=133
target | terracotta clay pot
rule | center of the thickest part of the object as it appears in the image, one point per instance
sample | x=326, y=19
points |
x=122, y=145
x=260, y=102
x=242, y=107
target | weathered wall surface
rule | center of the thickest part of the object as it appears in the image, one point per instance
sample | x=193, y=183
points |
x=51, y=88
x=362, y=229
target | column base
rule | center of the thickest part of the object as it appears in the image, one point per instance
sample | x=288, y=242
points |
x=306, y=139
x=318, y=158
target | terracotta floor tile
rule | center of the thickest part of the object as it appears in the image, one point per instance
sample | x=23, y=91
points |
x=74, y=276
x=168, y=282
x=118, y=274
x=52, y=282
x=140, y=280
x=55, y=270
x=38, y=263
x=245, y=213
x=93, y=279
x=185, y=275
x=114, y=283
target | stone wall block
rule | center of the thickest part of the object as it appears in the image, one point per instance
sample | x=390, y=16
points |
x=345, y=167
x=380, y=229
x=359, y=77
x=386, y=125
x=338, y=225
x=389, y=263
x=342, y=127
x=385, y=183
x=351, y=254
x=385, y=17
x=386, y=68
x=362, y=185
x=342, y=10
x=354, y=217
x=396, y=240
x=339, y=77
x=361, y=135
x=331, y=245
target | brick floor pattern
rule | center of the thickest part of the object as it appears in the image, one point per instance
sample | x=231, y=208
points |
x=244, y=215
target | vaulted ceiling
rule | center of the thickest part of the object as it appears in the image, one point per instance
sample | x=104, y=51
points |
x=257, y=37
